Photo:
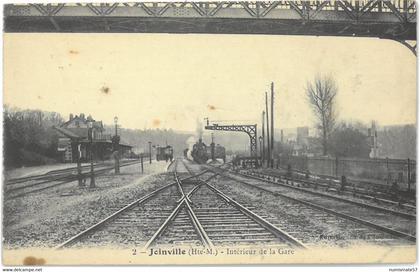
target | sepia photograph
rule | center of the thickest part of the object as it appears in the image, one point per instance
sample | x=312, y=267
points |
x=210, y=133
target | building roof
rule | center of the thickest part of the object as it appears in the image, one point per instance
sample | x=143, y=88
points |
x=67, y=132
x=81, y=118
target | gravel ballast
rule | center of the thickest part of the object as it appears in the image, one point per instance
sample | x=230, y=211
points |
x=47, y=218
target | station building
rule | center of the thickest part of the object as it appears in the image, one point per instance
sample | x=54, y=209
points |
x=74, y=139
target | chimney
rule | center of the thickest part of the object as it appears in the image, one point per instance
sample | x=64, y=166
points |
x=71, y=117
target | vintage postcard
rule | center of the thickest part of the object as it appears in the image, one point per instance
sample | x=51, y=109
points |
x=279, y=132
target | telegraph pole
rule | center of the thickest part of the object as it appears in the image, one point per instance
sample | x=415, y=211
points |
x=268, y=130
x=263, y=139
x=90, y=137
x=141, y=161
x=272, y=126
x=116, y=143
x=150, y=152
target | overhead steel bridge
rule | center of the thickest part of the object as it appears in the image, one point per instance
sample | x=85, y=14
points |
x=393, y=19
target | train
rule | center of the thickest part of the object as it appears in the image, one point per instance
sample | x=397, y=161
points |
x=164, y=153
x=201, y=153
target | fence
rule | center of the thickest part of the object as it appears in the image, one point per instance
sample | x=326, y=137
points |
x=382, y=171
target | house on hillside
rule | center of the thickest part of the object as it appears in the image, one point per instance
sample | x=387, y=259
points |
x=75, y=140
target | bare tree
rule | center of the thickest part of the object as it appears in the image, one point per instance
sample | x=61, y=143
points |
x=321, y=96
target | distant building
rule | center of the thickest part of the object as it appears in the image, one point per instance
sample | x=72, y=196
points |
x=75, y=140
x=302, y=135
x=300, y=146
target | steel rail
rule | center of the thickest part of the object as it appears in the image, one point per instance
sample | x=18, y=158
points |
x=201, y=173
x=169, y=165
x=164, y=225
x=200, y=229
x=102, y=222
x=59, y=172
x=196, y=175
x=256, y=218
x=65, y=177
x=361, y=204
x=328, y=182
x=188, y=168
x=281, y=234
x=201, y=184
x=184, y=201
x=181, y=190
x=37, y=190
x=68, y=178
x=107, y=219
x=393, y=232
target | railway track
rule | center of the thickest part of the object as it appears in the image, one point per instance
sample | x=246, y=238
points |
x=227, y=222
x=301, y=184
x=15, y=188
x=292, y=184
x=371, y=225
x=135, y=223
x=60, y=172
x=187, y=212
x=127, y=224
x=377, y=193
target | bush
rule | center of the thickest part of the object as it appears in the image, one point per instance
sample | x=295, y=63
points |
x=29, y=138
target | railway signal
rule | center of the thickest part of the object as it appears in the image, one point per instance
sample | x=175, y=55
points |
x=251, y=130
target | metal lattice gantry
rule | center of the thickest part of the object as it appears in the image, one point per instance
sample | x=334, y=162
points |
x=392, y=19
x=251, y=130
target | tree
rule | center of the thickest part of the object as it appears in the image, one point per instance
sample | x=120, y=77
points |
x=321, y=97
x=28, y=137
x=347, y=141
x=398, y=142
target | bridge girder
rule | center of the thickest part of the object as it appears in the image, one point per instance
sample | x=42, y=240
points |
x=251, y=130
x=375, y=18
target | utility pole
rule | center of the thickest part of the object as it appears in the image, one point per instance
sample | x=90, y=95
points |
x=90, y=136
x=141, y=161
x=116, y=125
x=268, y=130
x=261, y=148
x=272, y=126
x=116, y=143
x=263, y=139
x=150, y=152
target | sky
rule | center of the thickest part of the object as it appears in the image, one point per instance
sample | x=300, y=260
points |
x=173, y=80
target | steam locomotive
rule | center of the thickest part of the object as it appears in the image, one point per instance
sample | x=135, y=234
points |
x=201, y=153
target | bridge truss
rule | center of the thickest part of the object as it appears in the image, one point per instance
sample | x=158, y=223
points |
x=251, y=130
x=391, y=19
